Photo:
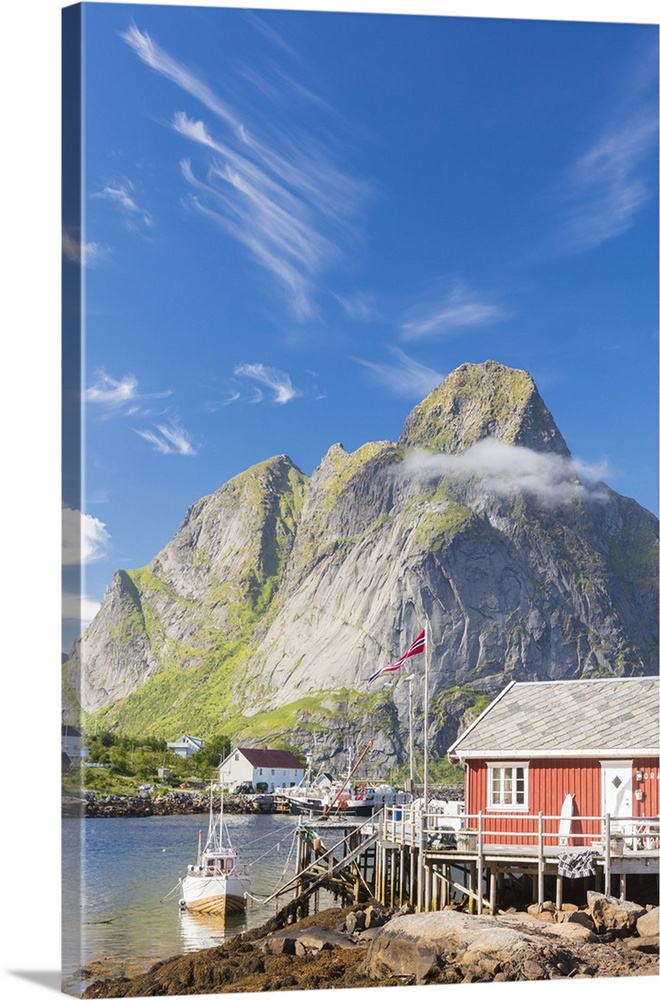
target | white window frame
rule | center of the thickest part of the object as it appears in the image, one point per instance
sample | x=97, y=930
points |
x=500, y=806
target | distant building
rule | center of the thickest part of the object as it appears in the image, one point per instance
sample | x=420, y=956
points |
x=265, y=770
x=72, y=744
x=186, y=745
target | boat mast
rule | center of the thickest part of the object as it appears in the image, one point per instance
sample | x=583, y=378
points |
x=222, y=813
x=211, y=834
x=365, y=750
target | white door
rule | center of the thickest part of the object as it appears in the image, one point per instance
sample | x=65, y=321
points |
x=617, y=792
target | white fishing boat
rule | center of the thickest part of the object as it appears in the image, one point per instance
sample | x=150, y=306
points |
x=216, y=885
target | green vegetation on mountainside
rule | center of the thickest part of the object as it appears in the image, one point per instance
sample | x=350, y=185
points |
x=315, y=712
x=441, y=516
x=176, y=700
x=468, y=405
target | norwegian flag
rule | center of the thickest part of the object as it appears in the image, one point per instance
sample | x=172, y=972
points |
x=417, y=646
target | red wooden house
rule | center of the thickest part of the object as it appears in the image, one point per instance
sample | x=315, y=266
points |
x=595, y=741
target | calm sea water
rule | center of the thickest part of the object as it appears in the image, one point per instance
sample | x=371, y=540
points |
x=121, y=888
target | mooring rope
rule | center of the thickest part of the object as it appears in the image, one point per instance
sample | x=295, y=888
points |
x=173, y=889
x=258, y=899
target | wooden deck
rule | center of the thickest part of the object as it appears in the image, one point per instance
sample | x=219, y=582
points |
x=483, y=847
x=430, y=860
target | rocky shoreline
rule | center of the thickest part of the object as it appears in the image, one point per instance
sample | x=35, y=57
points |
x=371, y=946
x=183, y=802
x=176, y=803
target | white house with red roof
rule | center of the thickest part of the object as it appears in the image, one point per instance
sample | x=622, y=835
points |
x=265, y=770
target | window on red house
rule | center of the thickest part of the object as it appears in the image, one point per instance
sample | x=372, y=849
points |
x=507, y=786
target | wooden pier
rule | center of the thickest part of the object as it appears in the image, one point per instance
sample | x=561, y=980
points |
x=431, y=861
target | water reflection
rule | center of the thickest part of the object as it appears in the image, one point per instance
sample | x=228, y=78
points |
x=199, y=930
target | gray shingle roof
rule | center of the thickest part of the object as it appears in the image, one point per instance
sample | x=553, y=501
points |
x=559, y=718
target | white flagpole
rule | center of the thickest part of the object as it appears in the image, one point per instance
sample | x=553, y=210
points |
x=427, y=642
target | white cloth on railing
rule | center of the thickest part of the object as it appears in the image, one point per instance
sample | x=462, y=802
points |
x=577, y=864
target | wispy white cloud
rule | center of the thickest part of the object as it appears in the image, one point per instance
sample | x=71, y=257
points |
x=258, y=383
x=603, y=190
x=123, y=398
x=119, y=396
x=269, y=32
x=503, y=469
x=85, y=539
x=111, y=392
x=283, y=196
x=161, y=62
x=87, y=254
x=443, y=314
x=405, y=377
x=169, y=439
x=121, y=195
x=360, y=306
x=277, y=382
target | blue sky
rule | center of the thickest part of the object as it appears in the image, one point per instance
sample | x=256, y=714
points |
x=296, y=223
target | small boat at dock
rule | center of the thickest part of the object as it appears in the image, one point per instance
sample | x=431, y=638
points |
x=216, y=885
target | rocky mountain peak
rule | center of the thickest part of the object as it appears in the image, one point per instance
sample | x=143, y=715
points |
x=477, y=401
x=266, y=613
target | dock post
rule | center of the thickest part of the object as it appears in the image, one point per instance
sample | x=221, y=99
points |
x=472, y=882
x=427, y=887
x=493, y=890
x=608, y=863
x=378, y=876
x=539, y=890
x=420, y=875
x=298, y=868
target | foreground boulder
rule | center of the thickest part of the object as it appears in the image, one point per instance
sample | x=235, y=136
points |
x=424, y=945
x=609, y=914
x=571, y=925
x=648, y=925
x=304, y=941
x=453, y=947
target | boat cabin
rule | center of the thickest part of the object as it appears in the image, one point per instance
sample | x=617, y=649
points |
x=215, y=863
x=576, y=751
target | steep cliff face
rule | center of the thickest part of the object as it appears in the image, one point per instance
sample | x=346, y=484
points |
x=279, y=595
x=195, y=605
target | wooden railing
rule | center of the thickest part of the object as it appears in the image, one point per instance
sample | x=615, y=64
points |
x=472, y=838
x=470, y=833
